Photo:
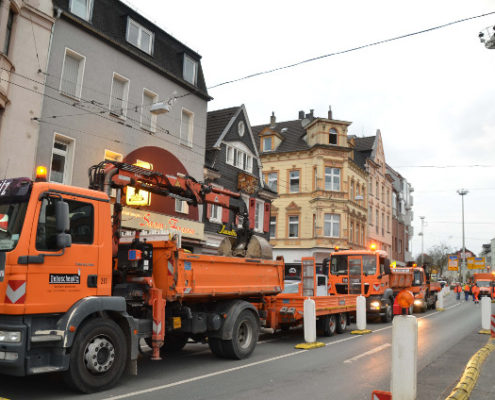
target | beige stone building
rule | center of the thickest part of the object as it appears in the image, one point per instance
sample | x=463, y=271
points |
x=379, y=191
x=322, y=188
x=25, y=30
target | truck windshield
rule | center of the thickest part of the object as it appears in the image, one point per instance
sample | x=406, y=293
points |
x=338, y=265
x=369, y=265
x=11, y=220
x=483, y=283
x=418, y=281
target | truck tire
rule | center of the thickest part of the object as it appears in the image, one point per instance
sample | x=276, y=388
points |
x=216, y=347
x=341, y=322
x=244, y=336
x=329, y=325
x=389, y=312
x=98, y=356
x=173, y=343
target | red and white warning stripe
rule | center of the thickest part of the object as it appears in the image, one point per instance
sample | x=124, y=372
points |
x=493, y=326
x=16, y=292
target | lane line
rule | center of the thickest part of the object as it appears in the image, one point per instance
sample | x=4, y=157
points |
x=372, y=351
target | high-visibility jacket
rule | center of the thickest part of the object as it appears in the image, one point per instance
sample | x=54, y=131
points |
x=467, y=288
x=476, y=291
x=458, y=289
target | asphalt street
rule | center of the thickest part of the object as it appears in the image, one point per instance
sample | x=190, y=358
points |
x=348, y=367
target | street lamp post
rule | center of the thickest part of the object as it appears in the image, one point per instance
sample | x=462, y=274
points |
x=422, y=239
x=462, y=193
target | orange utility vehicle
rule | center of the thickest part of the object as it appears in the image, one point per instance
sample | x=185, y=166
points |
x=286, y=309
x=368, y=272
x=486, y=283
x=425, y=291
x=74, y=299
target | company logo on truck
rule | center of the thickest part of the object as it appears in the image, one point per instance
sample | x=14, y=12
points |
x=64, y=279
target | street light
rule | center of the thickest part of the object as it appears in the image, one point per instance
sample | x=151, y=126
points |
x=462, y=193
x=422, y=239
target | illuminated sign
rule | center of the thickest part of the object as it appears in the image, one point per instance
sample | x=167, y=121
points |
x=145, y=220
x=139, y=197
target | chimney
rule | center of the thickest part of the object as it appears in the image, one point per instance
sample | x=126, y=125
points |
x=272, y=119
x=330, y=112
x=301, y=114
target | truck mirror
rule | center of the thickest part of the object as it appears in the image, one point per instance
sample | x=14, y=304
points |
x=62, y=217
x=64, y=240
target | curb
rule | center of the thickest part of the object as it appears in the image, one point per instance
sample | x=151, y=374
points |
x=360, y=331
x=466, y=384
x=309, y=346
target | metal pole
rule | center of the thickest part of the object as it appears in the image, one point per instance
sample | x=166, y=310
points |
x=462, y=277
x=422, y=240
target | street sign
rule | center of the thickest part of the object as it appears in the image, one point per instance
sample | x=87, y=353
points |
x=453, y=263
x=476, y=263
x=381, y=395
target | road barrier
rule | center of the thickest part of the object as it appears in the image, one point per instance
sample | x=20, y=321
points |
x=309, y=326
x=404, y=357
x=360, y=317
x=486, y=309
x=493, y=326
x=439, y=304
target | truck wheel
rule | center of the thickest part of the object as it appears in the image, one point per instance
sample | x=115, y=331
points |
x=341, y=322
x=329, y=325
x=216, y=347
x=173, y=343
x=244, y=336
x=389, y=313
x=98, y=356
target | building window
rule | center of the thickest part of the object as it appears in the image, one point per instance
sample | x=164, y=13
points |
x=383, y=194
x=113, y=156
x=119, y=95
x=294, y=226
x=332, y=225
x=186, y=128
x=377, y=220
x=181, y=206
x=267, y=143
x=229, y=152
x=272, y=180
x=332, y=136
x=332, y=179
x=81, y=8
x=72, y=74
x=139, y=36
x=216, y=213
x=294, y=181
x=273, y=227
x=377, y=191
x=352, y=191
x=315, y=178
x=8, y=33
x=148, y=120
x=399, y=250
x=388, y=223
x=62, y=156
x=383, y=224
x=258, y=216
x=239, y=158
x=314, y=225
x=351, y=233
x=370, y=215
x=190, y=71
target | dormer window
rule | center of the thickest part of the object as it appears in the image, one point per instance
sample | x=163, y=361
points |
x=139, y=36
x=82, y=8
x=190, y=72
x=332, y=136
x=267, y=143
x=239, y=158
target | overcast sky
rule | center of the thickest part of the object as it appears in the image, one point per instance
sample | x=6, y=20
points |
x=431, y=95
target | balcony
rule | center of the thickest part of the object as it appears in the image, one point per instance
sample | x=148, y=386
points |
x=6, y=68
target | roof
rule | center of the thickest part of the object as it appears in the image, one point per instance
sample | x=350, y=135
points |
x=216, y=121
x=109, y=23
x=292, y=137
x=364, y=143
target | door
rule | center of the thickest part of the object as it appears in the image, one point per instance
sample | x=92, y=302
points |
x=355, y=273
x=59, y=278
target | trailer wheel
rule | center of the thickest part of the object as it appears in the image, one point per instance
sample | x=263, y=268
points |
x=244, y=336
x=389, y=313
x=98, y=356
x=341, y=322
x=329, y=325
x=216, y=347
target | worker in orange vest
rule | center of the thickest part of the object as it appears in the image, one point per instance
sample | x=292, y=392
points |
x=467, y=289
x=457, y=291
x=476, y=292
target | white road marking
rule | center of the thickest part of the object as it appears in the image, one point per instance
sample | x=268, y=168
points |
x=372, y=351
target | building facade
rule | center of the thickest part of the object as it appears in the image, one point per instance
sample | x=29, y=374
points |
x=232, y=162
x=322, y=189
x=25, y=29
x=109, y=68
x=379, y=203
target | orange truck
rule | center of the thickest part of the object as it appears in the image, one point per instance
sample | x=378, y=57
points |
x=486, y=283
x=368, y=273
x=75, y=299
x=286, y=310
x=425, y=291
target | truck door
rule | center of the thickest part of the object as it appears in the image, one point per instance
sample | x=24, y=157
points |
x=355, y=273
x=59, y=278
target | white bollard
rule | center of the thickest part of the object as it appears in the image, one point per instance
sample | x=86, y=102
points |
x=440, y=300
x=486, y=313
x=309, y=321
x=404, y=357
x=361, y=313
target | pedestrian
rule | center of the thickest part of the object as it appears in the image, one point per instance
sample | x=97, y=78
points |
x=476, y=292
x=466, y=289
x=457, y=291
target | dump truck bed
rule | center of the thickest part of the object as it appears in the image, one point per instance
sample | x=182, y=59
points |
x=401, y=278
x=189, y=276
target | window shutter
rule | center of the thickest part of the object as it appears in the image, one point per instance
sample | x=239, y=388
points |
x=225, y=215
x=266, y=218
x=70, y=75
x=252, y=211
x=208, y=211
